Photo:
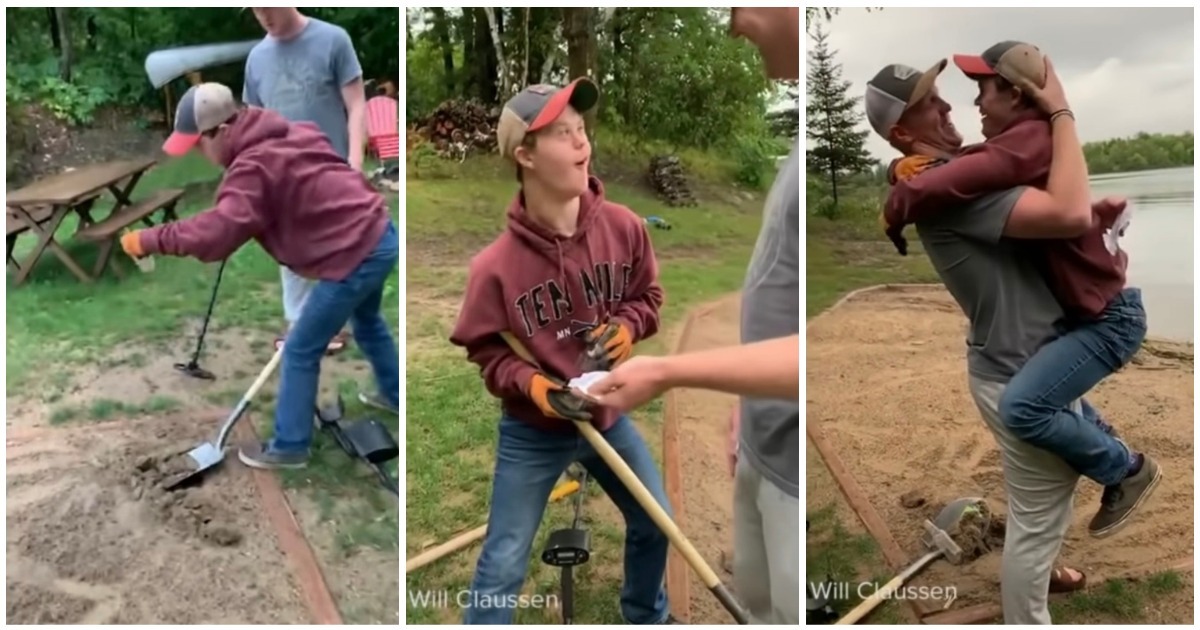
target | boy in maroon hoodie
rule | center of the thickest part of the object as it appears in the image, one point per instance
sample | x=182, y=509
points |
x=285, y=187
x=1084, y=270
x=572, y=273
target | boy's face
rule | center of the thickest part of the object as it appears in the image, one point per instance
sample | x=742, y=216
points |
x=211, y=148
x=560, y=155
x=997, y=106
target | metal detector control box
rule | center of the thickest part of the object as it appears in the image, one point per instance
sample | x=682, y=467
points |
x=567, y=548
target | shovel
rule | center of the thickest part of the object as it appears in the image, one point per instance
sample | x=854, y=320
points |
x=209, y=455
x=937, y=540
x=636, y=488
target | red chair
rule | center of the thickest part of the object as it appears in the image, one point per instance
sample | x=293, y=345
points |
x=383, y=127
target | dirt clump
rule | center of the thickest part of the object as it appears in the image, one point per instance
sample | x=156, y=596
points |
x=185, y=509
x=912, y=499
x=978, y=532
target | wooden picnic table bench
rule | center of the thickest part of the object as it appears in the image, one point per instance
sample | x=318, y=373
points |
x=41, y=207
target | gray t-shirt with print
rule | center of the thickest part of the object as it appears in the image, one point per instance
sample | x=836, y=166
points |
x=770, y=428
x=302, y=78
x=1012, y=313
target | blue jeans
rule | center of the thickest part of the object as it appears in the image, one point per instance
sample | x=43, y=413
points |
x=356, y=299
x=1035, y=403
x=529, y=462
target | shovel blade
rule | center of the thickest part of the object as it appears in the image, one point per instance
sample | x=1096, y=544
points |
x=206, y=457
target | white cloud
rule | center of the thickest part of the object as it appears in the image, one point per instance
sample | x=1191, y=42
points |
x=1125, y=70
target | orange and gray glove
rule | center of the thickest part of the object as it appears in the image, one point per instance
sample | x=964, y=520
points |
x=131, y=242
x=555, y=400
x=608, y=345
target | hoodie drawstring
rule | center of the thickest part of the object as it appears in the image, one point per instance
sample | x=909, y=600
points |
x=562, y=264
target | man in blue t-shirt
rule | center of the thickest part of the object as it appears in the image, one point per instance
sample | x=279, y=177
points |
x=307, y=70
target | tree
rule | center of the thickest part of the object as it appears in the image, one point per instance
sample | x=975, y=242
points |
x=833, y=118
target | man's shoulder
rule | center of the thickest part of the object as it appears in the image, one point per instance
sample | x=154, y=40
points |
x=326, y=30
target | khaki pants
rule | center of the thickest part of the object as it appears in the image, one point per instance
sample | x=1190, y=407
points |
x=1041, y=488
x=766, y=548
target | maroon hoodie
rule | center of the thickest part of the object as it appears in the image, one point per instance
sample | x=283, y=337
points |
x=1080, y=271
x=548, y=289
x=285, y=187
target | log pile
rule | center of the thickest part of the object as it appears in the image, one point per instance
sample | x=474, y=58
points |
x=460, y=128
x=669, y=181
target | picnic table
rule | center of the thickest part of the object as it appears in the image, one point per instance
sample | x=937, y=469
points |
x=41, y=207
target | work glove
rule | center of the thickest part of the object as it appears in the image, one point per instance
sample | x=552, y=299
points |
x=904, y=169
x=608, y=345
x=131, y=242
x=554, y=400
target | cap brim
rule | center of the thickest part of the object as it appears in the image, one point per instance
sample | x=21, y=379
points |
x=178, y=144
x=973, y=65
x=582, y=94
x=925, y=83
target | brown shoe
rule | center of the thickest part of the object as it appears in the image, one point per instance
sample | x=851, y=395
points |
x=1119, y=503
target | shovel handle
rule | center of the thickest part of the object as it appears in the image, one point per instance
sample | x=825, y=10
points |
x=244, y=403
x=881, y=595
x=635, y=486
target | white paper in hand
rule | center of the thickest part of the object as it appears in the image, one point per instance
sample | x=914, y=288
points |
x=585, y=381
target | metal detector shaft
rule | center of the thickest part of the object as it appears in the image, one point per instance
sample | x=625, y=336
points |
x=212, y=302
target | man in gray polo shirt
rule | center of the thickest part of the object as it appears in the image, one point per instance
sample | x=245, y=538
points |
x=1012, y=313
x=764, y=371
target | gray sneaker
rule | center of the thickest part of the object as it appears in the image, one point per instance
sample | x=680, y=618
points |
x=1119, y=502
x=258, y=455
x=378, y=402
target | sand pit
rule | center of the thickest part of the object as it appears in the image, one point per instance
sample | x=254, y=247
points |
x=93, y=537
x=887, y=385
x=703, y=420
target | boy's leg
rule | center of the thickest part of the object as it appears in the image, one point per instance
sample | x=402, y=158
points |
x=371, y=331
x=643, y=596
x=1091, y=415
x=1034, y=408
x=766, y=552
x=327, y=308
x=296, y=290
x=528, y=463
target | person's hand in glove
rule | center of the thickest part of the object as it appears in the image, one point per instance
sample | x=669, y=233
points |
x=609, y=344
x=555, y=400
x=131, y=242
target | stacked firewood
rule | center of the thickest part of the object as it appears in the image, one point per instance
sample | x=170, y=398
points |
x=669, y=181
x=459, y=128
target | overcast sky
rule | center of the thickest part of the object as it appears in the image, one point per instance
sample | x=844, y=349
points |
x=1125, y=70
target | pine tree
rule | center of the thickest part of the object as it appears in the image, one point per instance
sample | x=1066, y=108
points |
x=833, y=118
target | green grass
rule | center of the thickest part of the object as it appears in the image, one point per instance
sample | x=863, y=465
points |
x=451, y=420
x=851, y=253
x=58, y=325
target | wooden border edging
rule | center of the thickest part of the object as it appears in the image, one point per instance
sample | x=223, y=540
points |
x=314, y=591
x=983, y=613
x=874, y=524
x=678, y=574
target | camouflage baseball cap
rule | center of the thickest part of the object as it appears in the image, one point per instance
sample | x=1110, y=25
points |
x=204, y=107
x=539, y=105
x=1011, y=60
x=893, y=90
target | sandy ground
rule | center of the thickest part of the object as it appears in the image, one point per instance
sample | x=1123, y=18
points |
x=87, y=545
x=91, y=540
x=886, y=375
x=703, y=419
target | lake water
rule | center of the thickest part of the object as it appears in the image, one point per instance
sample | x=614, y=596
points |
x=1160, y=243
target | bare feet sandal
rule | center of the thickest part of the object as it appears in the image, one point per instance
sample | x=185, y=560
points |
x=1064, y=580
